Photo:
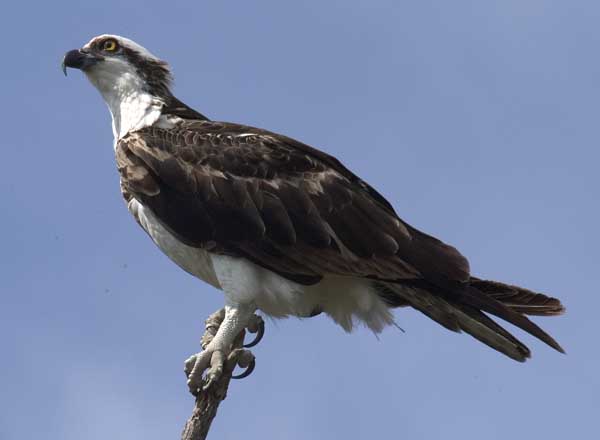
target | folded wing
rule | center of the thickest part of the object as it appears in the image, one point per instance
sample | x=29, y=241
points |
x=282, y=204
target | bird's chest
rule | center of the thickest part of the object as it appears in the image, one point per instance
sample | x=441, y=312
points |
x=196, y=261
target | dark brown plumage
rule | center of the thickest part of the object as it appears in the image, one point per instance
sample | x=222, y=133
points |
x=299, y=212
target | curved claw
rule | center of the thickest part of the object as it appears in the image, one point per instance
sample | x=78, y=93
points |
x=259, y=335
x=247, y=372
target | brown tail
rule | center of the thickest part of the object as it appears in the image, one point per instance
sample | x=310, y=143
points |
x=519, y=299
x=465, y=311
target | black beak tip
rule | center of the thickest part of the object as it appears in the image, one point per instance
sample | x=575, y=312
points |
x=76, y=59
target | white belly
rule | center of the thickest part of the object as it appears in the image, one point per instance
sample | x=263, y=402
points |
x=345, y=299
x=193, y=260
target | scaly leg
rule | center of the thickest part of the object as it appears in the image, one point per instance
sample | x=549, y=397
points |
x=226, y=325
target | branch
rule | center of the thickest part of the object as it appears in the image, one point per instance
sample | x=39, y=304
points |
x=209, y=399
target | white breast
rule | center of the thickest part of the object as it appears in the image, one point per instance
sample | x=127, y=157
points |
x=193, y=260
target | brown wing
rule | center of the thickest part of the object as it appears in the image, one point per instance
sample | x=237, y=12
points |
x=282, y=204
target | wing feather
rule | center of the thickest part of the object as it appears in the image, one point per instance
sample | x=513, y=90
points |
x=280, y=203
x=299, y=212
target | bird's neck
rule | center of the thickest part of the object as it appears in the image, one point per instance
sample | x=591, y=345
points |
x=131, y=106
x=133, y=111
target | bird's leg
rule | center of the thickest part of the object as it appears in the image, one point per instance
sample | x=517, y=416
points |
x=222, y=329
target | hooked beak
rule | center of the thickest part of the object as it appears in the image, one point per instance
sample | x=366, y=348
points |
x=78, y=59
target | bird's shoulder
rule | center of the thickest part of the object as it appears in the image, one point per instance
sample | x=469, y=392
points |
x=243, y=151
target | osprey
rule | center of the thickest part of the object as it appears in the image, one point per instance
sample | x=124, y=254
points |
x=280, y=226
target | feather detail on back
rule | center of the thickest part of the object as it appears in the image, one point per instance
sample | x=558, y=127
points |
x=281, y=204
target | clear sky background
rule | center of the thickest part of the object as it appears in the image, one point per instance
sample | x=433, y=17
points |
x=477, y=120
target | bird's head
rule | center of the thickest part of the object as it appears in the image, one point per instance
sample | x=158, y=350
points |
x=115, y=64
x=134, y=83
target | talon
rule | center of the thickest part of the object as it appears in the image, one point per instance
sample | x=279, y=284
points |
x=189, y=365
x=194, y=388
x=196, y=365
x=247, y=372
x=221, y=350
x=260, y=332
x=216, y=369
x=194, y=382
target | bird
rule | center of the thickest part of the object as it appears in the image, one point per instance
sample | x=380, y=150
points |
x=278, y=226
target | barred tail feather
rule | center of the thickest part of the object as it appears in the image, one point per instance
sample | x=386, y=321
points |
x=463, y=310
x=519, y=299
x=478, y=299
x=459, y=317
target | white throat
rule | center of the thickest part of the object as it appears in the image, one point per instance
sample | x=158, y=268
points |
x=131, y=107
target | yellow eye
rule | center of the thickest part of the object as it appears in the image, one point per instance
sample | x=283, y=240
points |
x=110, y=45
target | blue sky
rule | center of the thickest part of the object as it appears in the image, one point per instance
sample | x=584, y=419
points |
x=477, y=120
